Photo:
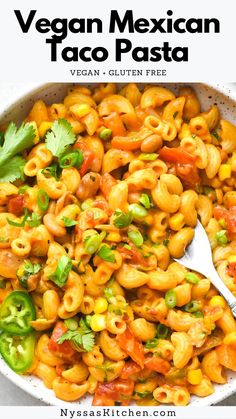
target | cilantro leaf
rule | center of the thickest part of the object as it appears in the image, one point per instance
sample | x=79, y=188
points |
x=62, y=271
x=69, y=222
x=28, y=270
x=122, y=219
x=16, y=141
x=12, y=170
x=106, y=253
x=60, y=137
x=82, y=339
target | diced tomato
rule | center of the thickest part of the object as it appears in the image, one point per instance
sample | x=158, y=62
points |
x=132, y=346
x=229, y=216
x=102, y=204
x=16, y=204
x=176, y=155
x=63, y=350
x=87, y=154
x=227, y=356
x=116, y=391
x=114, y=122
x=134, y=255
x=107, y=183
x=129, y=369
x=231, y=270
x=184, y=163
x=155, y=363
x=188, y=173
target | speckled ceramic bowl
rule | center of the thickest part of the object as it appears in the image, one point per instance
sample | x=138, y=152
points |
x=15, y=107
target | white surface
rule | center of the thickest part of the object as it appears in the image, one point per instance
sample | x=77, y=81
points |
x=9, y=393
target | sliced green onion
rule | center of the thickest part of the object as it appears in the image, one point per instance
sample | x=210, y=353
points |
x=22, y=189
x=106, y=253
x=73, y=159
x=72, y=324
x=136, y=237
x=151, y=343
x=23, y=220
x=162, y=331
x=192, y=278
x=221, y=237
x=148, y=156
x=192, y=307
x=198, y=314
x=92, y=243
x=42, y=200
x=127, y=246
x=170, y=298
x=138, y=211
x=105, y=134
x=145, y=201
x=122, y=219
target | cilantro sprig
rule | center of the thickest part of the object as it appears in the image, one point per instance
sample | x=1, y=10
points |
x=82, y=338
x=15, y=141
x=60, y=137
x=28, y=269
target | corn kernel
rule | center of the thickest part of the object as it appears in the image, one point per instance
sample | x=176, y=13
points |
x=80, y=110
x=217, y=300
x=232, y=259
x=98, y=322
x=100, y=305
x=230, y=339
x=114, y=237
x=194, y=377
x=224, y=172
x=44, y=127
x=34, y=125
x=176, y=222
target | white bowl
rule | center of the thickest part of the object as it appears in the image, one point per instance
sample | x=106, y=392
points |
x=16, y=108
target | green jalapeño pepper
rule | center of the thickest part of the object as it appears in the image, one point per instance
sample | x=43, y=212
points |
x=16, y=313
x=17, y=351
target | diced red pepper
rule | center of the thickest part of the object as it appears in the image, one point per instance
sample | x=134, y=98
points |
x=16, y=204
x=176, y=155
x=155, y=363
x=130, y=369
x=116, y=391
x=88, y=156
x=229, y=216
x=132, y=346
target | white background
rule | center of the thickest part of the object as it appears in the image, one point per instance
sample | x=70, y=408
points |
x=26, y=57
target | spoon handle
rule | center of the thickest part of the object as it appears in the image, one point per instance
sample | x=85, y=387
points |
x=223, y=289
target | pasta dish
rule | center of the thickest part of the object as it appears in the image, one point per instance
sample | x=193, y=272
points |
x=98, y=194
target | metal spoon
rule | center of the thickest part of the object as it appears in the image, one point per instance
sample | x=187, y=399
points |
x=198, y=257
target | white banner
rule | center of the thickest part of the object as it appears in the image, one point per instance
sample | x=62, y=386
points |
x=118, y=40
x=20, y=412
